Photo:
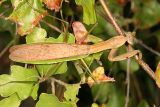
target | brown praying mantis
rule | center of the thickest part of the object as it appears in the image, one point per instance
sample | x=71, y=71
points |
x=47, y=53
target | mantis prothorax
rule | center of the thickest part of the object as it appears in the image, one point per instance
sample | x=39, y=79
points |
x=47, y=53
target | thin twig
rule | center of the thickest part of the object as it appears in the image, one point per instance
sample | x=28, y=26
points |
x=112, y=19
x=65, y=28
x=128, y=82
x=136, y=86
x=89, y=71
x=52, y=26
x=58, y=81
x=61, y=82
x=120, y=32
x=147, y=47
x=53, y=87
x=92, y=28
x=1, y=14
x=6, y=48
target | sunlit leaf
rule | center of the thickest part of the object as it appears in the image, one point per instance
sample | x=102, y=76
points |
x=37, y=35
x=71, y=92
x=34, y=93
x=94, y=105
x=52, y=69
x=26, y=17
x=12, y=101
x=70, y=39
x=89, y=15
x=20, y=81
x=157, y=75
x=50, y=100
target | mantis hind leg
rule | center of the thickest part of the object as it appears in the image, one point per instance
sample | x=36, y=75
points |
x=124, y=56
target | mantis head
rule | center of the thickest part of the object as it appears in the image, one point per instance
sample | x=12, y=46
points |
x=130, y=37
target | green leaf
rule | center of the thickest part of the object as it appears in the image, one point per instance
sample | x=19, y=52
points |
x=89, y=15
x=133, y=68
x=92, y=57
x=37, y=35
x=44, y=69
x=94, y=105
x=52, y=69
x=19, y=73
x=108, y=92
x=71, y=92
x=60, y=39
x=34, y=93
x=143, y=103
x=20, y=81
x=123, y=64
x=12, y=101
x=6, y=25
x=25, y=16
x=62, y=68
x=49, y=100
x=94, y=39
x=146, y=13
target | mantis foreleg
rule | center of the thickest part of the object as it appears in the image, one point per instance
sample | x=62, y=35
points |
x=132, y=53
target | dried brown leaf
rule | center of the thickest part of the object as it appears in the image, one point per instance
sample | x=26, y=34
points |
x=53, y=4
x=157, y=75
x=99, y=75
x=80, y=32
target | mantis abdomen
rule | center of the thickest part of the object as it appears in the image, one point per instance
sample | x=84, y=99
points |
x=44, y=51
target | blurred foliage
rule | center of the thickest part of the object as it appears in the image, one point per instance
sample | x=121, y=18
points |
x=141, y=16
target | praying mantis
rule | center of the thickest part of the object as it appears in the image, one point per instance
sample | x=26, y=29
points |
x=48, y=53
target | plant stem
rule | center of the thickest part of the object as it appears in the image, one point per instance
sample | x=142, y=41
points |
x=128, y=82
x=111, y=18
x=120, y=32
x=6, y=48
x=146, y=47
x=58, y=81
x=52, y=26
x=89, y=71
